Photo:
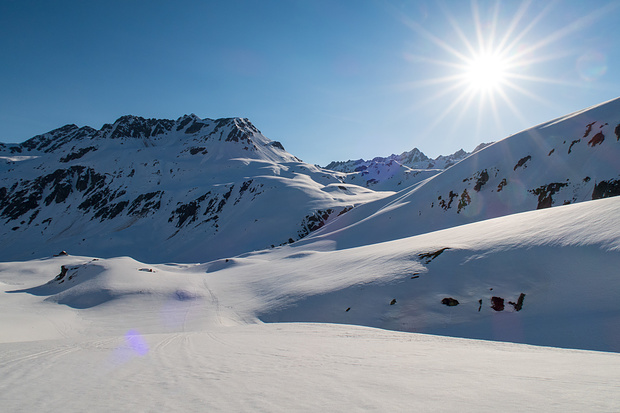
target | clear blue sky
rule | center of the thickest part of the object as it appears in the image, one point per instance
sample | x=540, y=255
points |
x=331, y=80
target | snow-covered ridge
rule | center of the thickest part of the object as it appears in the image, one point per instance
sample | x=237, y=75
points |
x=195, y=188
x=201, y=189
x=571, y=160
x=397, y=172
x=186, y=130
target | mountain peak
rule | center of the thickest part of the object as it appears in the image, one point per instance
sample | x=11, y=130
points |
x=130, y=126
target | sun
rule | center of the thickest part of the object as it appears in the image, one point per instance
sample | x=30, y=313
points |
x=486, y=72
x=483, y=65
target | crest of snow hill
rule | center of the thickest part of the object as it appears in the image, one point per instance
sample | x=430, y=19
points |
x=197, y=189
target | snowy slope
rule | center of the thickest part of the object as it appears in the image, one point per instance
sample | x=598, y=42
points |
x=398, y=285
x=191, y=337
x=161, y=190
x=572, y=159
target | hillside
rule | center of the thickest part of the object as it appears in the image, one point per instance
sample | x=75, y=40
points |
x=161, y=190
x=565, y=161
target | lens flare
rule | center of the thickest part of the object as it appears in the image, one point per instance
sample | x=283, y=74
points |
x=137, y=343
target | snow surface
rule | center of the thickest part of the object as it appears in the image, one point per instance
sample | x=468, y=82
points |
x=117, y=334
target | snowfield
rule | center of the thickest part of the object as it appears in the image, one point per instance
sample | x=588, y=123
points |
x=302, y=367
x=193, y=336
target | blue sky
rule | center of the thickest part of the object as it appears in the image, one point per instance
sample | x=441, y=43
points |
x=331, y=80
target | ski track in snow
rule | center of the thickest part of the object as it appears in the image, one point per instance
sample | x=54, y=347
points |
x=306, y=367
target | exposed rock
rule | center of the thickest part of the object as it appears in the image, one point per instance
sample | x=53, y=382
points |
x=572, y=143
x=430, y=256
x=277, y=144
x=501, y=185
x=483, y=178
x=195, y=127
x=393, y=301
x=314, y=221
x=450, y=302
x=442, y=202
x=198, y=149
x=606, y=189
x=522, y=162
x=497, y=303
x=596, y=139
x=77, y=155
x=588, y=129
x=63, y=272
x=519, y=304
x=545, y=193
x=464, y=201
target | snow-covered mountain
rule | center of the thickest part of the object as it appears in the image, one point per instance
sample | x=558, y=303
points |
x=199, y=189
x=160, y=190
x=517, y=242
x=564, y=161
x=396, y=172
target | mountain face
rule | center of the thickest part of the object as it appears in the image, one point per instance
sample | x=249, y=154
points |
x=189, y=189
x=195, y=189
x=565, y=161
x=396, y=172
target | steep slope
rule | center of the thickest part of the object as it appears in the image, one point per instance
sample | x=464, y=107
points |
x=568, y=160
x=186, y=190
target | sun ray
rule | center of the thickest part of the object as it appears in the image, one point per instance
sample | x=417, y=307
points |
x=463, y=111
x=515, y=110
x=527, y=29
x=491, y=43
x=436, y=96
x=529, y=94
x=429, y=82
x=437, y=62
x=571, y=28
x=540, y=79
x=488, y=64
x=478, y=26
x=513, y=24
x=459, y=32
x=446, y=111
x=420, y=30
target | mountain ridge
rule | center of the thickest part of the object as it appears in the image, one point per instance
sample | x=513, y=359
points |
x=191, y=180
x=204, y=189
x=567, y=160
